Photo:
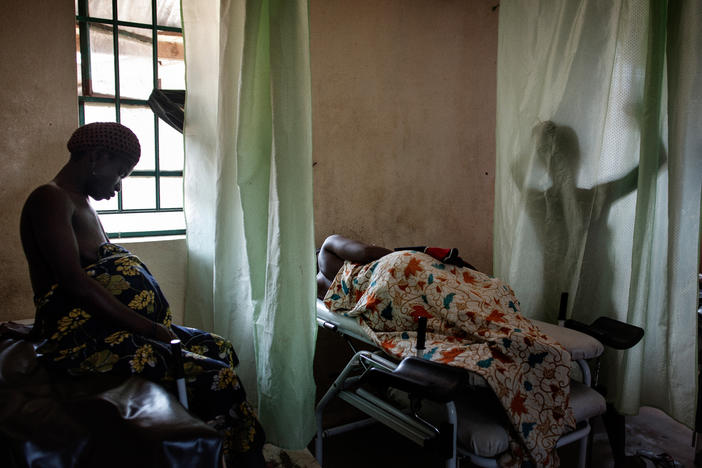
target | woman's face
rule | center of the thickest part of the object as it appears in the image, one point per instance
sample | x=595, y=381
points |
x=106, y=178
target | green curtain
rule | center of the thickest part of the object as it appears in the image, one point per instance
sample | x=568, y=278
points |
x=248, y=199
x=598, y=178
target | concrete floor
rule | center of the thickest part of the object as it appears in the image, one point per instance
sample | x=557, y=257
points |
x=379, y=447
x=652, y=431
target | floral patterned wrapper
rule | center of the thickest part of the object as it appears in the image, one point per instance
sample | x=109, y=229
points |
x=77, y=342
x=473, y=321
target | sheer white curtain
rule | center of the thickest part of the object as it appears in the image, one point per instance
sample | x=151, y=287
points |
x=599, y=166
x=248, y=199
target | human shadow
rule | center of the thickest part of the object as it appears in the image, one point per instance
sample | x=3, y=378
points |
x=573, y=232
x=569, y=222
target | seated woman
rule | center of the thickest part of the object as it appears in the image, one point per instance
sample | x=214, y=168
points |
x=473, y=321
x=99, y=309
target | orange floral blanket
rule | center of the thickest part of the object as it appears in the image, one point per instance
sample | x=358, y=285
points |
x=473, y=321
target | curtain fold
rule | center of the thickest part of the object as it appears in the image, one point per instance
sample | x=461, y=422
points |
x=248, y=199
x=599, y=171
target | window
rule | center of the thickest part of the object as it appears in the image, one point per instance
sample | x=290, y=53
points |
x=125, y=49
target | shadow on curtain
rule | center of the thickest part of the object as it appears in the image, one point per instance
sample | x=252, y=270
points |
x=598, y=178
x=248, y=199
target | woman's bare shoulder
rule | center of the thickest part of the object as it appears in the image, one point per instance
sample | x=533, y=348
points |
x=47, y=198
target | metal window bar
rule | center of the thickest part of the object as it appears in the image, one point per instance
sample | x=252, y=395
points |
x=115, y=58
x=126, y=234
x=83, y=18
x=154, y=75
x=93, y=19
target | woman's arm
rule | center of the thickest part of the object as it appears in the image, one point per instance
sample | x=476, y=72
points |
x=50, y=213
x=336, y=249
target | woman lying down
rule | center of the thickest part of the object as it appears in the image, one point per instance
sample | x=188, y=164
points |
x=473, y=321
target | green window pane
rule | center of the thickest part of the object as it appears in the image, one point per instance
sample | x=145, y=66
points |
x=79, y=61
x=136, y=77
x=134, y=11
x=170, y=147
x=171, y=64
x=98, y=8
x=139, y=193
x=140, y=120
x=99, y=112
x=171, y=192
x=102, y=65
x=168, y=13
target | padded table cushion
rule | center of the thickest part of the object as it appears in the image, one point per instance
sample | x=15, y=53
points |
x=483, y=424
x=579, y=345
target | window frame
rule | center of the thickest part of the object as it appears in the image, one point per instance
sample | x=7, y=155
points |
x=83, y=20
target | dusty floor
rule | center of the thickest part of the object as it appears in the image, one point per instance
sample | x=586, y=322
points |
x=651, y=430
x=378, y=447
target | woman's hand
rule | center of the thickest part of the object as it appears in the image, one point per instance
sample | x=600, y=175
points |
x=163, y=333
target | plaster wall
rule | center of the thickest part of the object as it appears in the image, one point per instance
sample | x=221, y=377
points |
x=166, y=260
x=40, y=111
x=38, y=98
x=403, y=99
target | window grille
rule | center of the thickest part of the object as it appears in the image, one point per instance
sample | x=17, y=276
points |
x=125, y=49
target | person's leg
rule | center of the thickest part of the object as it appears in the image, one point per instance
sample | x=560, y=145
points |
x=206, y=344
x=216, y=395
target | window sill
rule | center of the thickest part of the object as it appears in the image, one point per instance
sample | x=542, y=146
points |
x=146, y=239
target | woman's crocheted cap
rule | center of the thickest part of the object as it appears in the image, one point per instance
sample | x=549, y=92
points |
x=109, y=136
